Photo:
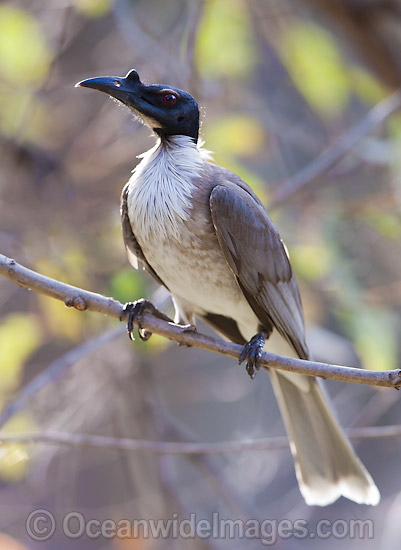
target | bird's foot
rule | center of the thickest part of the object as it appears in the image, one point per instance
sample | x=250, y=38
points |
x=135, y=312
x=252, y=353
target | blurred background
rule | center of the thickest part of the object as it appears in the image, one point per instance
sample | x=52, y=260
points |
x=280, y=83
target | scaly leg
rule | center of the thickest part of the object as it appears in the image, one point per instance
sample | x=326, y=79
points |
x=252, y=353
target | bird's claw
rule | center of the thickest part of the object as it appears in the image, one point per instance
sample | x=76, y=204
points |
x=135, y=311
x=252, y=353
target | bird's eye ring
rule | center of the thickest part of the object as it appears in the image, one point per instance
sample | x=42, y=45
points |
x=169, y=99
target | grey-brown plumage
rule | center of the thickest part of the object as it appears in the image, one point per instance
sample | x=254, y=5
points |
x=200, y=231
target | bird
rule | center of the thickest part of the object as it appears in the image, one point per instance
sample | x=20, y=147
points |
x=200, y=231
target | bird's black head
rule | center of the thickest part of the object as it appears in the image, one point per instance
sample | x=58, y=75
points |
x=164, y=109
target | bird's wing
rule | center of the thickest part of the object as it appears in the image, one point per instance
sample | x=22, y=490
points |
x=259, y=260
x=132, y=246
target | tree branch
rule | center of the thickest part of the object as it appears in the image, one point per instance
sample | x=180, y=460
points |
x=322, y=164
x=180, y=448
x=84, y=300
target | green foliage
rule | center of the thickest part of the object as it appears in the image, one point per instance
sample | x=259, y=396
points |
x=235, y=136
x=388, y=225
x=312, y=261
x=24, y=55
x=128, y=285
x=225, y=45
x=314, y=62
x=374, y=332
x=24, y=63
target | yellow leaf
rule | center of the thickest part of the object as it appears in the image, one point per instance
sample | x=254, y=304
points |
x=236, y=134
x=225, y=45
x=93, y=8
x=366, y=86
x=20, y=335
x=62, y=321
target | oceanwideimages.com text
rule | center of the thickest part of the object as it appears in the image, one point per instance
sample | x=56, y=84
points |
x=42, y=525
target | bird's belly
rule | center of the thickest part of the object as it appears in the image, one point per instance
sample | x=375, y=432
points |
x=203, y=279
x=200, y=276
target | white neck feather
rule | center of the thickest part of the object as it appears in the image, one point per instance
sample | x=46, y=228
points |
x=161, y=187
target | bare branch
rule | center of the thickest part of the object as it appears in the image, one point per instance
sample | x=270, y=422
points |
x=53, y=371
x=72, y=296
x=85, y=300
x=181, y=448
x=308, y=175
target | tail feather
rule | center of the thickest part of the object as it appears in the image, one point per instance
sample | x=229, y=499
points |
x=326, y=466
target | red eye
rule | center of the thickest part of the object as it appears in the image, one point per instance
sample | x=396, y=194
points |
x=169, y=99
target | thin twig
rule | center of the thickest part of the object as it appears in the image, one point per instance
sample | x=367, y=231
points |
x=308, y=175
x=85, y=300
x=181, y=448
x=54, y=371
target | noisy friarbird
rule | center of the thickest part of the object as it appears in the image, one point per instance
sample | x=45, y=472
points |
x=200, y=231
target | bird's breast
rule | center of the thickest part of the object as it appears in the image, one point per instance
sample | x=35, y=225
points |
x=169, y=211
x=190, y=262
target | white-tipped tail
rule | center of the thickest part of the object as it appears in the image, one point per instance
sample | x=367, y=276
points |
x=325, y=463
